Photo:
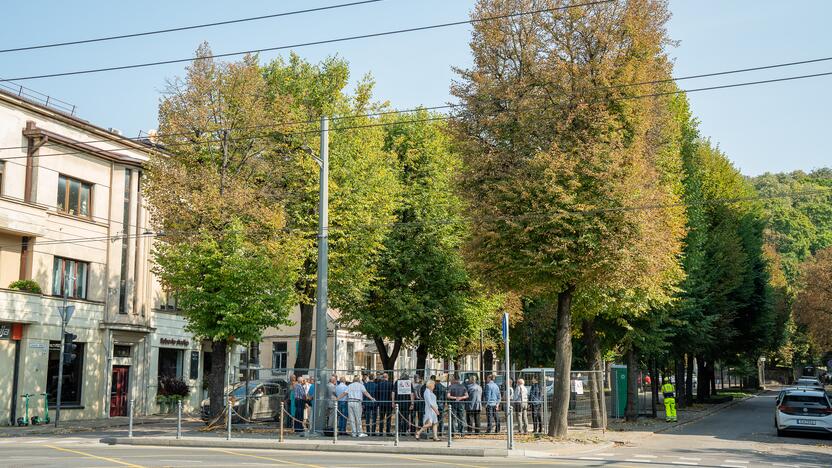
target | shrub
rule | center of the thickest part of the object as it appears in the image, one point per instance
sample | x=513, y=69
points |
x=26, y=286
x=173, y=387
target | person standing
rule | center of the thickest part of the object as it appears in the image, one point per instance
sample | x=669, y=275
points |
x=474, y=404
x=457, y=394
x=331, y=403
x=431, y=413
x=405, y=399
x=355, y=394
x=370, y=406
x=342, y=405
x=441, y=392
x=299, y=395
x=521, y=399
x=492, y=404
x=384, y=403
x=669, y=393
x=290, y=401
x=535, y=404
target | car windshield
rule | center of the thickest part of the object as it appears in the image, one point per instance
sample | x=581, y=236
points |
x=240, y=391
x=806, y=400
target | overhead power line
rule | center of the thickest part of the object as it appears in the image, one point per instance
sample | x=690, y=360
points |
x=532, y=214
x=305, y=44
x=451, y=106
x=185, y=28
x=436, y=118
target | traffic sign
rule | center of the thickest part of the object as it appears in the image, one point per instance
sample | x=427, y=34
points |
x=505, y=326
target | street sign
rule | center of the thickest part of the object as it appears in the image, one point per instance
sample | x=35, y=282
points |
x=505, y=326
x=66, y=313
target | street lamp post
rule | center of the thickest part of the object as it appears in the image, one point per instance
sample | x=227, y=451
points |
x=322, y=298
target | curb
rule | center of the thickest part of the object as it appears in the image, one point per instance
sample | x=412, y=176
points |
x=706, y=414
x=314, y=447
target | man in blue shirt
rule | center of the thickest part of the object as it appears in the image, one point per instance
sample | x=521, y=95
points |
x=370, y=406
x=492, y=404
x=384, y=404
x=342, y=405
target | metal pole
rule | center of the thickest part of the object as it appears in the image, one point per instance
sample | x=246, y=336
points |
x=322, y=299
x=482, y=358
x=335, y=422
x=229, y=409
x=61, y=350
x=450, y=426
x=544, y=395
x=509, y=426
x=130, y=420
x=282, y=409
x=396, y=422
x=179, y=420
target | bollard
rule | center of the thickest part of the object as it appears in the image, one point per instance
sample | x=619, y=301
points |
x=396, y=422
x=281, y=421
x=130, y=419
x=450, y=426
x=335, y=423
x=228, y=411
x=179, y=420
x=510, y=427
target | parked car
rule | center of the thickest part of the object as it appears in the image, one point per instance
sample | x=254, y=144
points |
x=261, y=401
x=803, y=410
x=809, y=382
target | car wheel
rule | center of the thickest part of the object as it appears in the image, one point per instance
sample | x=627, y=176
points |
x=780, y=432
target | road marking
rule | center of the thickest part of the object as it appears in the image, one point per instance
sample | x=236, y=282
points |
x=684, y=463
x=645, y=456
x=785, y=464
x=89, y=455
x=639, y=461
x=591, y=458
x=437, y=461
x=694, y=459
x=740, y=462
x=732, y=466
x=606, y=454
x=239, y=454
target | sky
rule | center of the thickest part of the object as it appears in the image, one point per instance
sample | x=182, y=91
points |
x=766, y=128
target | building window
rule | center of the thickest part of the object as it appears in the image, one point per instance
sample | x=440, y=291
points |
x=73, y=374
x=74, y=196
x=168, y=301
x=70, y=277
x=280, y=355
x=125, y=229
x=170, y=363
x=350, y=356
x=122, y=351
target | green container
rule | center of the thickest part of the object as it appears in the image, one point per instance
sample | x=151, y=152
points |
x=619, y=391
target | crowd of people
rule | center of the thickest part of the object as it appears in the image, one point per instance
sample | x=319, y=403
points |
x=366, y=405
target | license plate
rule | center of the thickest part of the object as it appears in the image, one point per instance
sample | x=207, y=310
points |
x=808, y=422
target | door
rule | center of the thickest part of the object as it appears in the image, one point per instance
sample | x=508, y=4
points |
x=118, y=391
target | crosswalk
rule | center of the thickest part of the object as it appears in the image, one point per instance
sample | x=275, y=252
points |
x=51, y=441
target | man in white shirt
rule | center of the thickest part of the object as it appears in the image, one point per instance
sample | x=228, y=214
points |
x=521, y=401
x=355, y=392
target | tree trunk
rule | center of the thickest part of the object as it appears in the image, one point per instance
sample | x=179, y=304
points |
x=593, y=357
x=712, y=378
x=489, y=361
x=218, y=377
x=388, y=360
x=631, y=412
x=457, y=365
x=654, y=388
x=421, y=359
x=680, y=381
x=703, y=387
x=689, y=381
x=307, y=319
x=558, y=421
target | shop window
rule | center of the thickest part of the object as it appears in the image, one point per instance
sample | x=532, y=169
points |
x=74, y=196
x=73, y=375
x=69, y=276
x=170, y=363
x=280, y=355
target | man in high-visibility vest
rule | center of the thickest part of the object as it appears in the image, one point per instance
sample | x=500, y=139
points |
x=669, y=392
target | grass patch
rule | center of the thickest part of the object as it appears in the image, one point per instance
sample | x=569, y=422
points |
x=734, y=393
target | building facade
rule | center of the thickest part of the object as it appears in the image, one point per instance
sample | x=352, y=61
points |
x=73, y=222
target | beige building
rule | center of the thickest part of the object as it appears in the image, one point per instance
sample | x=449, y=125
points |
x=73, y=220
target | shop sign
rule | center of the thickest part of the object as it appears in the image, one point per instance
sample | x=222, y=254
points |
x=5, y=331
x=37, y=345
x=174, y=342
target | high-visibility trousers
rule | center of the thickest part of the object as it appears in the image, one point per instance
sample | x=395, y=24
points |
x=670, y=409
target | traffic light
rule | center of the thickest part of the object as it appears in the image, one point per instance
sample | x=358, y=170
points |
x=69, y=348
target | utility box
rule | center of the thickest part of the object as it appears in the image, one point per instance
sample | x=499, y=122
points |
x=619, y=391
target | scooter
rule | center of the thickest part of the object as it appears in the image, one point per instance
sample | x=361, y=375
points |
x=35, y=420
x=45, y=408
x=24, y=421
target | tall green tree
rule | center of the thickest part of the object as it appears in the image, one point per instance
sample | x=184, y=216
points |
x=363, y=187
x=225, y=252
x=555, y=149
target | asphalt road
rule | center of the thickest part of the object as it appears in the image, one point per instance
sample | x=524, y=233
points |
x=742, y=436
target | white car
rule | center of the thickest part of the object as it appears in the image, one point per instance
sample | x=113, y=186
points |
x=803, y=410
x=810, y=382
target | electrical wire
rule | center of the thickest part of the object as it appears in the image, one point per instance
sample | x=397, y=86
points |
x=444, y=117
x=451, y=106
x=531, y=214
x=186, y=28
x=304, y=44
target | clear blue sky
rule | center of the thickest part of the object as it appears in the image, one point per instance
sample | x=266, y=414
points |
x=775, y=127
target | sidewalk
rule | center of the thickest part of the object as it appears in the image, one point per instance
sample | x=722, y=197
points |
x=69, y=427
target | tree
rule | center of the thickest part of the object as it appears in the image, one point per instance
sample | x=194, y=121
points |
x=813, y=306
x=363, y=186
x=554, y=150
x=225, y=251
